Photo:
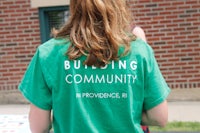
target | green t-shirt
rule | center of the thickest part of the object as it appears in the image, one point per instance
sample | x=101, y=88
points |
x=94, y=100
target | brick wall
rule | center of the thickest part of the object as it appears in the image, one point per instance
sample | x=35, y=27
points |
x=172, y=29
x=19, y=36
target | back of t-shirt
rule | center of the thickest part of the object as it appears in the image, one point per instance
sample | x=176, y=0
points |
x=87, y=99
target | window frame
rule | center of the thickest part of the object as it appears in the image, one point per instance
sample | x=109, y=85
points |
x=44, y=20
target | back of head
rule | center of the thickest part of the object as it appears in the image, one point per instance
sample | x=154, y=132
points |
x=96, y=29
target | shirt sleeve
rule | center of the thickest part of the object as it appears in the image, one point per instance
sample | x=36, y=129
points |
x=156, y=88
x=34, y=86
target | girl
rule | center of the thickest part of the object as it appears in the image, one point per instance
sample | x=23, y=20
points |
x=95, y=75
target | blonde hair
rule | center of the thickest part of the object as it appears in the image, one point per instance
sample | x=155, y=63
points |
x=97, y=28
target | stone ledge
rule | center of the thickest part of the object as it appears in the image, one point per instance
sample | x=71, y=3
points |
x=192, y=94
x=12, y=97
x=15, y=97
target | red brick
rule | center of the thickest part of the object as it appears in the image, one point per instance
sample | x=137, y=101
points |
x=14, y=6
x=21, y=2
x=172, y=29
x=192, y=2
x=8, y=3
x=186, y=50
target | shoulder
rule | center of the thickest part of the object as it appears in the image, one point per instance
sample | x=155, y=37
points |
x=140, y=44
x=137, y=28
x=53, y=43
x=140, y=47
x=139, y=32
x=53, y=47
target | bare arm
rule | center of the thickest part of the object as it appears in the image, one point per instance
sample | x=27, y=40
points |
x=40, y=120
x=157, y=116
x=139, y=32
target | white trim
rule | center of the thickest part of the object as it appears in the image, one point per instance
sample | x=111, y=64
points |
x=47, y=3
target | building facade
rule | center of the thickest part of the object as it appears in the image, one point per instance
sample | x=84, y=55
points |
x=172, y=29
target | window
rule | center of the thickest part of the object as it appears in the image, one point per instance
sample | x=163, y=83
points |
x=51, y=17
